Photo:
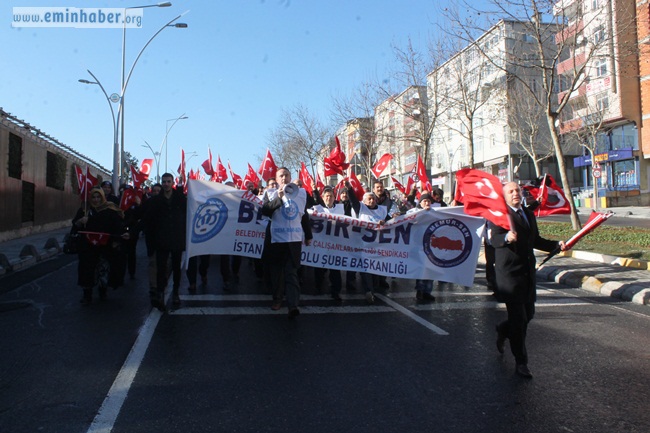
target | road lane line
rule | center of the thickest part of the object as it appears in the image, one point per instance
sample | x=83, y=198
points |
x=412, y=315
x=253, y=311
x=110, y=408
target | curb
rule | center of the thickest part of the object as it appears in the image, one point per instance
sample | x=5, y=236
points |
x=630, y=292
x=29, y=256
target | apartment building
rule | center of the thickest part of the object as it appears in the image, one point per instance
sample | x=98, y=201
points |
x=486, y=118
x=643, y=36
x=604, y=110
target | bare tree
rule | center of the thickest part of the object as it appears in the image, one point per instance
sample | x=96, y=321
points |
x=558, y=41
x=527, y=123
x=298, y=138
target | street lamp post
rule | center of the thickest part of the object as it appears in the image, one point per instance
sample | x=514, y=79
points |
x=167, y=130
x=119, y=151
x=156, y=157
x=116, y=160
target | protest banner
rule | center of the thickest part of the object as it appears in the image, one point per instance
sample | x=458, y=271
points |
x=440, y=244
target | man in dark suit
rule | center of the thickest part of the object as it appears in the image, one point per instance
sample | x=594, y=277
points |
x=515, y=274
x=288, y=229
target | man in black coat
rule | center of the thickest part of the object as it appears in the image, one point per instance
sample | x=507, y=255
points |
x=516, y=275
x=166, y=220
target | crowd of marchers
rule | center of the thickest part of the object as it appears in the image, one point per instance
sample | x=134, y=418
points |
x=108, y=236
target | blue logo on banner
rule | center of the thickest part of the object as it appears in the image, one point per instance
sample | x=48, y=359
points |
x=447, y=242
x=290, y=210
x=209, y=219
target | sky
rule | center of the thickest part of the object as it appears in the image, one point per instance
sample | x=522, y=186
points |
x=232, y=71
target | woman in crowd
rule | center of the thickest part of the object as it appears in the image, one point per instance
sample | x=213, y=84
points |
x=101, y=226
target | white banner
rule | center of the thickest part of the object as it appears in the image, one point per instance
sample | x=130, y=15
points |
x=440, y=244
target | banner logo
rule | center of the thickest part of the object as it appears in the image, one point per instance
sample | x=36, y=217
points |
x=209, y=219
x=290, y=210
x=447, y=243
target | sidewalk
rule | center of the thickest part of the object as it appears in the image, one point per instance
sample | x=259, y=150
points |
x=620, y=278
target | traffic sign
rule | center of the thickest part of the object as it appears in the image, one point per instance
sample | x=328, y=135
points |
x=596, y=172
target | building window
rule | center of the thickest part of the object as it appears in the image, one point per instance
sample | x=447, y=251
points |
x=15, y=160
x=55, y=171
x=28, y=200
x=595, y=4
x=599, y=34
x=625, y=174
x=601, y=67
x=602, y=102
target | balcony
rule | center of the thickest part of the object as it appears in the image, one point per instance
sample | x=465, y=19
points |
x=567, y=8
x=569, y=32
x=579, y=92
x=571, y=63
x=571, y=125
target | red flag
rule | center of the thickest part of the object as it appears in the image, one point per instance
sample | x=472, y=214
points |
x=251, y=176
x=138, y=177
x=339, y=187
x=222, y=174
x=235, y=177
x=381, y=165
x=421, y=172
x=81, y=179
x=409, y=187
x=97, y=238
x=207, y=164
x=319, y=183
x=399, y=186
x=268, y=167
x=181, y=168
x=356, y=186
x=335, y=164
x=595, y=219
x=306, y=178
x=145, y=167
x=551, y=198
x=91, y=180
x=483, y=196
x=128, y=198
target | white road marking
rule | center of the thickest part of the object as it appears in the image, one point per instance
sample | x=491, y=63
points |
x=110, y=409
x=408, y=313
x=227, y=311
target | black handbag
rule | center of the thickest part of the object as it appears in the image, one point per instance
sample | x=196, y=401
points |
x=71, y=241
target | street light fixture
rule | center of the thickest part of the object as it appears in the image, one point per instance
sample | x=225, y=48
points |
x=125, y=77
x=167, y=130
x=115, y=178
x=156, y=157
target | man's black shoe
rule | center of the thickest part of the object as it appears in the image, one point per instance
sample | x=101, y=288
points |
x=523, y=371
x=501, y=341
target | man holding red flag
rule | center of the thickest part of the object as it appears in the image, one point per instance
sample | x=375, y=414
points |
x=515, y=272
x=268, y=168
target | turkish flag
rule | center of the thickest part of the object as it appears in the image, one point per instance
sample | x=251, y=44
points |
x=483, y=196
x=268, y=167
x=222, y=174
x=128, y=198
x=421, y=172
x=319, y=183
x=399, y=186
x=335, y=164
x=381, y=165
x=91, y=180
x=356, y=186
x=181, y=168
x=251, y=176
x=97, y=238
x=138, y=177
x=306, y=178
x=235, y=177
x=145, y=167
x=339, y=187
x=81, y=178
x=550, y=196
x=409, y=187
x=207, y=164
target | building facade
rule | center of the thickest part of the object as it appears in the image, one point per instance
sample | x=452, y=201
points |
x=38, y=183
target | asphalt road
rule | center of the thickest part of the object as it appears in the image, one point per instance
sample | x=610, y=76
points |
x=228, y=363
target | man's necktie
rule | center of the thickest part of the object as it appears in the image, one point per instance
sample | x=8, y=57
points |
x=520, y=212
